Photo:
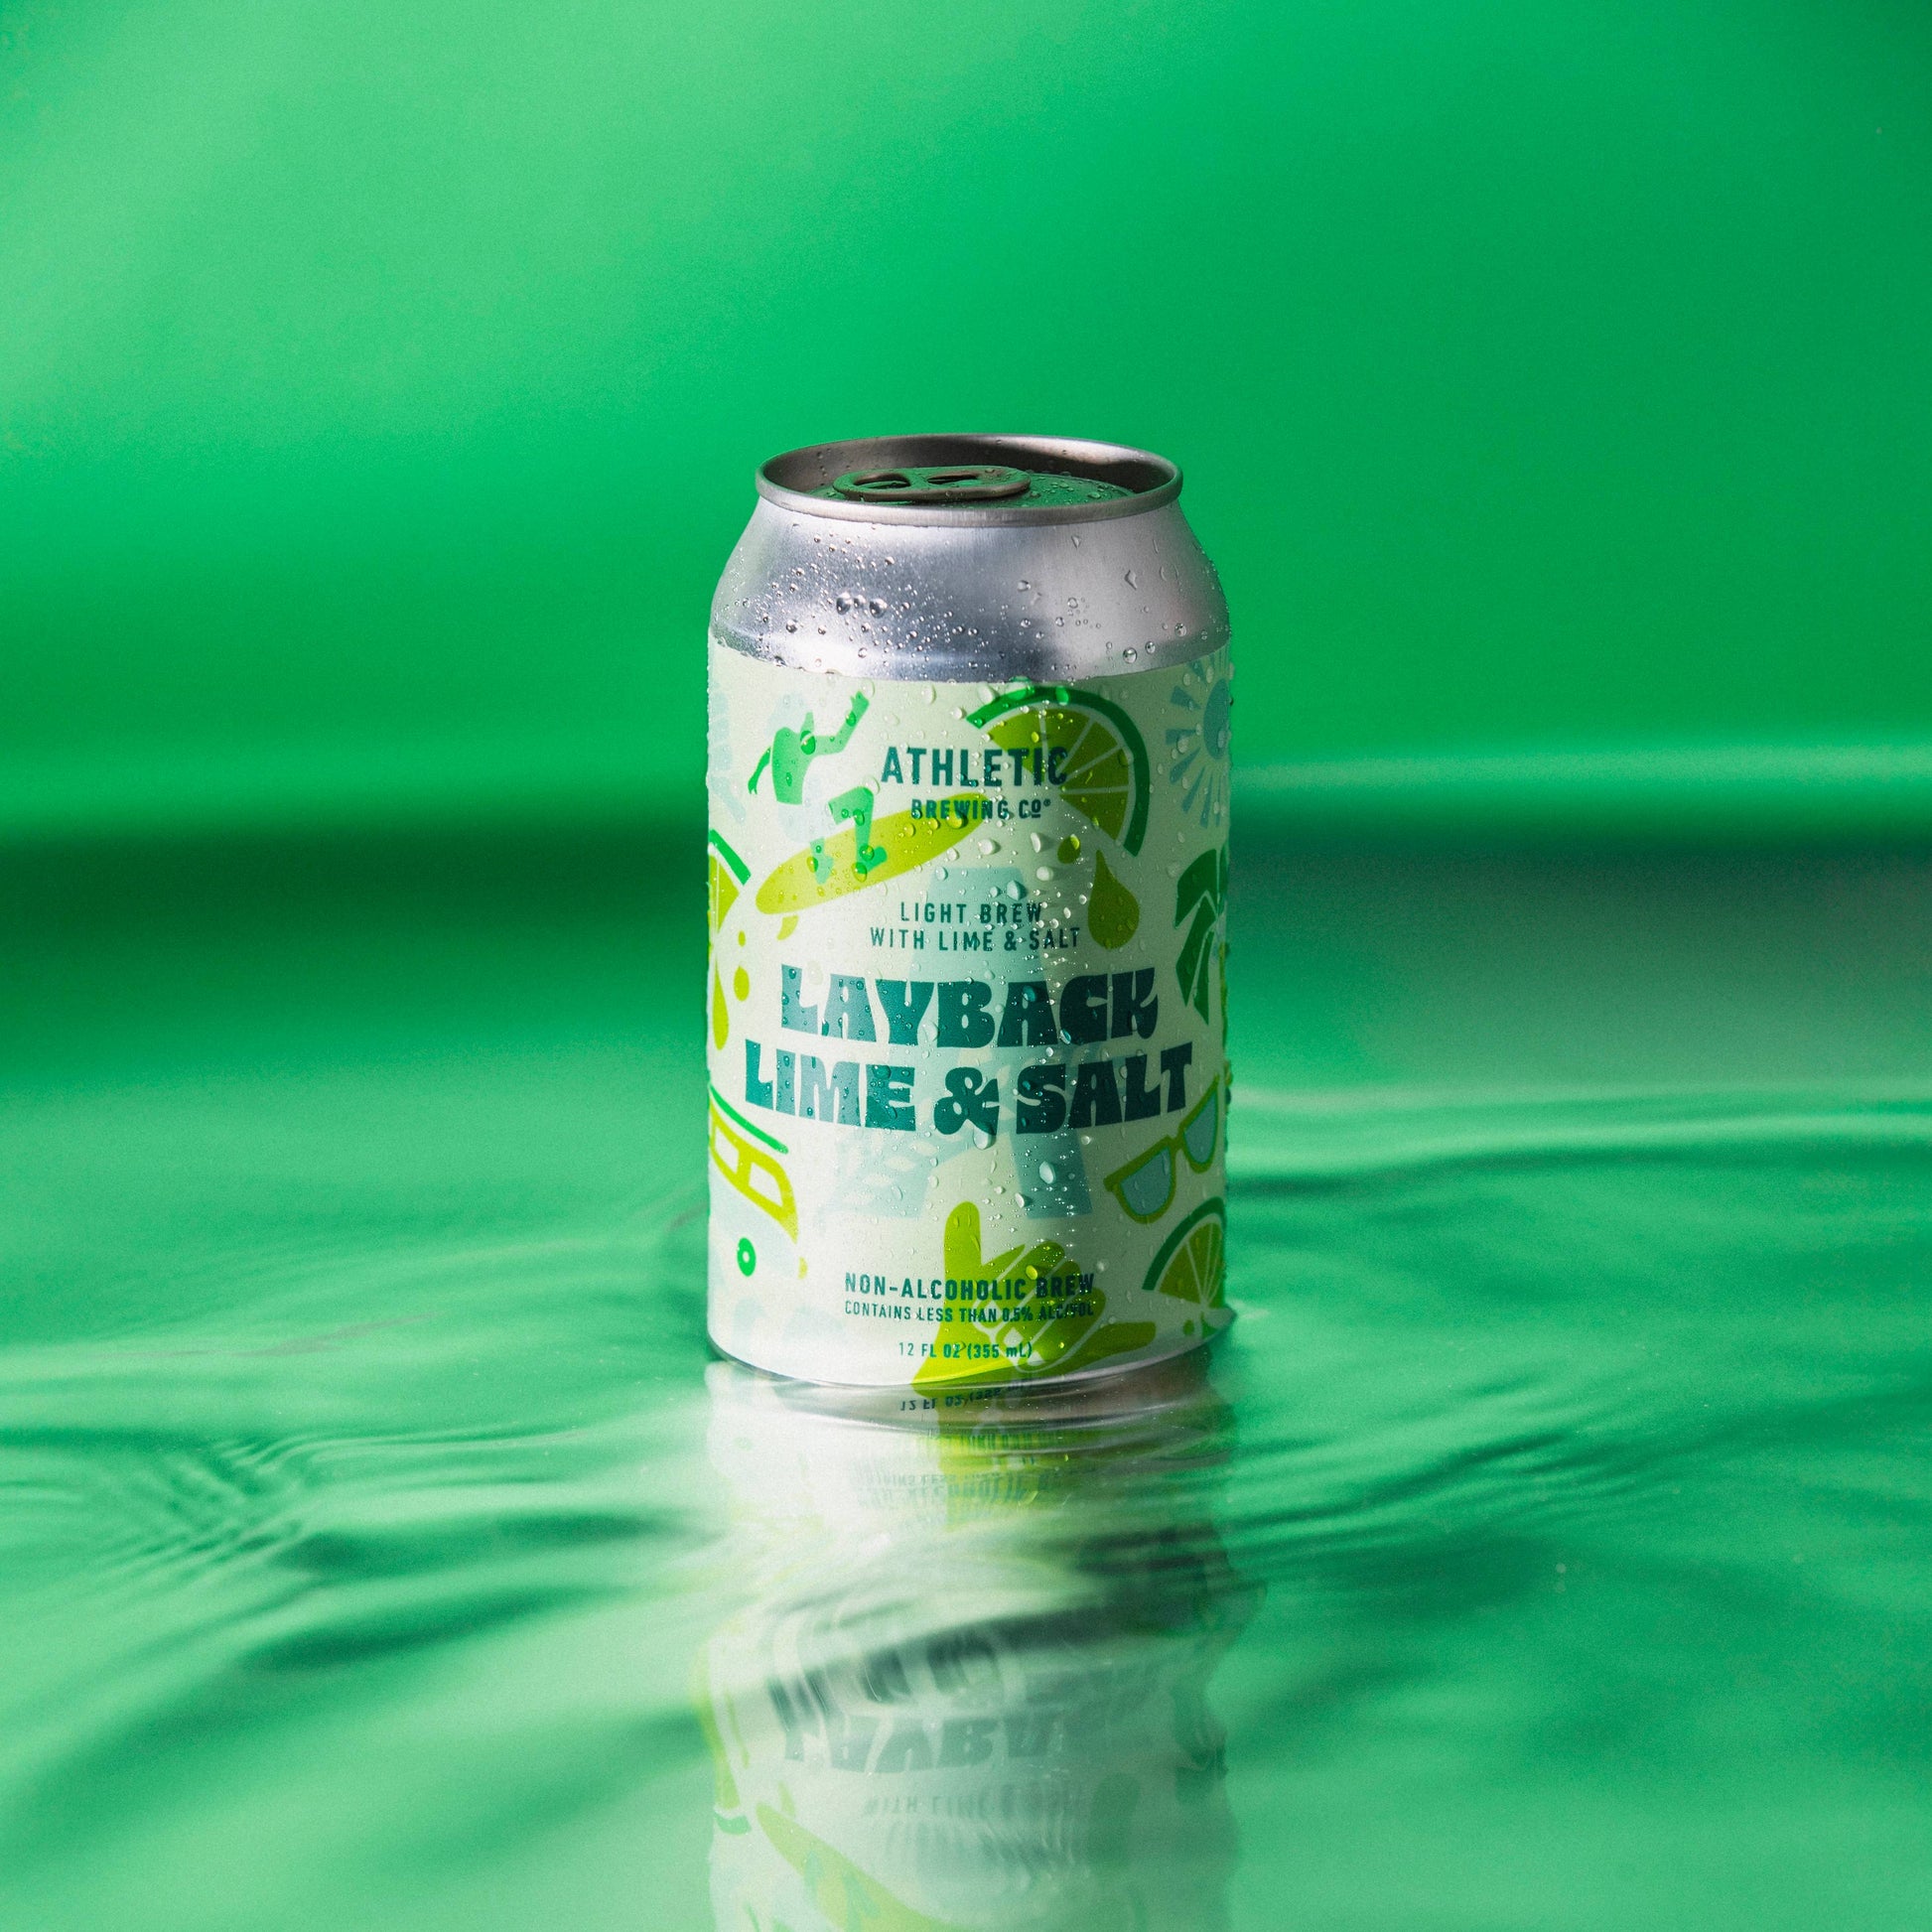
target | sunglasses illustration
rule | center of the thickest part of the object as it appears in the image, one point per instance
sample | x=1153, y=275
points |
x=1145, y=1186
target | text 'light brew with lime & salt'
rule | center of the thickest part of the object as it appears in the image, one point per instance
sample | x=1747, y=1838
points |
x=966, y=1000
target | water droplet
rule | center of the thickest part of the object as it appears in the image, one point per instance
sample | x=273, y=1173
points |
x=1132, y=582
x=1043, y=872
x=1047, y=1174
x=789, y=625
x=989, y=845
x=941, y=872
x=1069, y=848
x=981, y=1139
x=927, y=694
x=1015, y=889
x=1039, y=844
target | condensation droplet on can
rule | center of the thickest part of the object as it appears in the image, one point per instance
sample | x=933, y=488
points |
x=1043, y=872
x=1046, y=1172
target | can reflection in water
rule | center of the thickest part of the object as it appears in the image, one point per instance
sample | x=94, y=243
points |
x=968, y=1688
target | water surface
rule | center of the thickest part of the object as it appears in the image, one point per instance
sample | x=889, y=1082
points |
x=1545, y=1547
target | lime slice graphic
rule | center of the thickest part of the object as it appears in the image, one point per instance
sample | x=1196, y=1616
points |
x=1101, y=757
x=1191, y=1266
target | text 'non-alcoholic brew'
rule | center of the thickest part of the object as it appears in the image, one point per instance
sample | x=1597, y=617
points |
x=966, y=996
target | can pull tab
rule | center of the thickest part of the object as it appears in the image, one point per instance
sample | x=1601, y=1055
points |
x=960, y=483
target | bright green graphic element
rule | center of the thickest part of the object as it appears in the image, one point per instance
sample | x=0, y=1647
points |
x=1197, y=748
x=855, y=805
x=1113, y=912
x=1103, y=766
x=1021, y=1331
x=741, y=985
x=851, y=1899
x=728, y=872
x=1203, y=891
x=747, y=1256
x=757, y=1132
x=1192, y=1262
x=1145, y=1185
x=791, y=753
x=726, y=1804
x=829, y=869
x=721, y=848
x=750, y=1169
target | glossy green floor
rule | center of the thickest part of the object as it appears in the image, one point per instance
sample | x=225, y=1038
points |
x=1547, y=1547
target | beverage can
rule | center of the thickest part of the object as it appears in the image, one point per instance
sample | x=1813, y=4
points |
x=966, y=1001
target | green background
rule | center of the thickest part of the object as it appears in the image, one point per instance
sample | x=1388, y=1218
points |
x=380, y=381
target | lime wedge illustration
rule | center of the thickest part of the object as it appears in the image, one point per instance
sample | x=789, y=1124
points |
x=1096, y=748
x=1191, y=1266
x=808, y=878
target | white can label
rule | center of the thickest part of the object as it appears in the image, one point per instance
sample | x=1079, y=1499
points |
x=966, y=1021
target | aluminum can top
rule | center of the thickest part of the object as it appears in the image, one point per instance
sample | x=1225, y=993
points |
x=969, y=556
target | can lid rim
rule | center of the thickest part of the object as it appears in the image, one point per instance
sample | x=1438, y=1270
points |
x=790, y=479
